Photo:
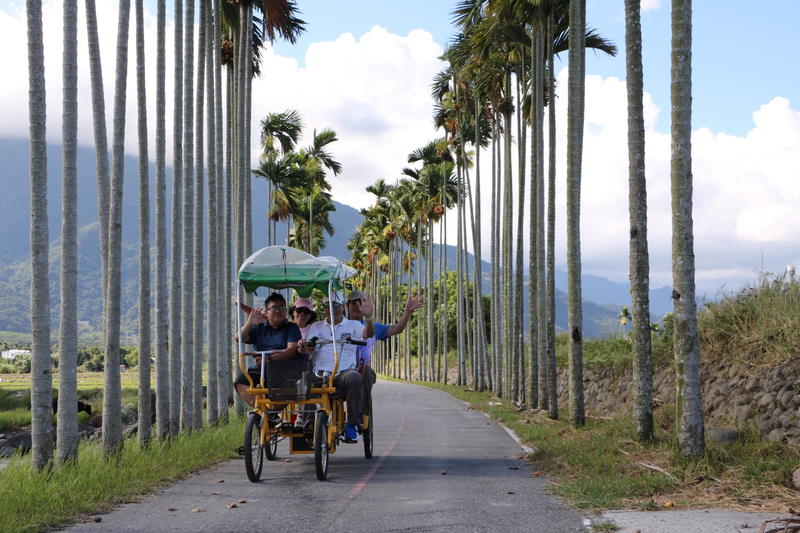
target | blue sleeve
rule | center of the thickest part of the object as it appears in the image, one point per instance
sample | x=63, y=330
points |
x=294, y=333
x=380, y=331
x=252, y=335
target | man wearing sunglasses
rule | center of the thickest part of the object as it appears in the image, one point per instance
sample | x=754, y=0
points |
x=347, y=377
x=267, y=329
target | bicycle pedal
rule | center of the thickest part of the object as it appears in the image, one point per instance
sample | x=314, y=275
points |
x=240, y=450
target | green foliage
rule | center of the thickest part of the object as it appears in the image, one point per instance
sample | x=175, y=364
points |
x=130, y=356
x=14, y=419
x=759, y=324
x=595, y=467
x=93, y=484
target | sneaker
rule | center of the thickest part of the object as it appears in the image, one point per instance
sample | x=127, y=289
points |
x=273, y=420
x=350, y=433
x=308, y=427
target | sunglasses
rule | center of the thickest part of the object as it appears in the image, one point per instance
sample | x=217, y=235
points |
x=336, y=305
x=302, y=310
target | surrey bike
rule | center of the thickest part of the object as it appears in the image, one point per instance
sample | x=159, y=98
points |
x=282, y=388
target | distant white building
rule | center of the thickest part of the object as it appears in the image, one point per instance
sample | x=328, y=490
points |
x=12, y=354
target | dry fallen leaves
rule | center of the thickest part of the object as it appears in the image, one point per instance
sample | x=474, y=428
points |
x=215, y=493
x=198, y=510
x=242, y=501
x=444, y=472
x=287, y=460
x=509, y=492
x=96, y=519
x=536, y=474
x=232, y=506
x=512, y=467
x=220, y=481
x=171, y=509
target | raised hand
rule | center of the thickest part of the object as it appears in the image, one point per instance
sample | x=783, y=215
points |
x=413, y=303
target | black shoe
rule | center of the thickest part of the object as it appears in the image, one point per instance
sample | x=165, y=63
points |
x=308, y=427
x=273, y=420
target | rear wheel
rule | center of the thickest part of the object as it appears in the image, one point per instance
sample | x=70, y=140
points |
x=367, y=436
x=321, y=445
x=252, y=448
x=271, y=449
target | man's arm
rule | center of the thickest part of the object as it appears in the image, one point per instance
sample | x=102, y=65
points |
x=366, y=311
x=412, y=304
x=255, y=317
x=285, y=354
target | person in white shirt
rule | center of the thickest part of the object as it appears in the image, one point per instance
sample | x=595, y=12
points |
x=347, y=377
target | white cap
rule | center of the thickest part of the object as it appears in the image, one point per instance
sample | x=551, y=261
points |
x=337, y=298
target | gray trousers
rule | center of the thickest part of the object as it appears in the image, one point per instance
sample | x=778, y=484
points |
x=349, y=381
x=369, y=380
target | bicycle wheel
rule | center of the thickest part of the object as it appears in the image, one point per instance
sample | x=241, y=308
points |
x=271, y=449
x=367, y=436
x=321, y=446
x=252, y=448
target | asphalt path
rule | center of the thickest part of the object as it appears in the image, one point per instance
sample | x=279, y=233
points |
x=437, y=466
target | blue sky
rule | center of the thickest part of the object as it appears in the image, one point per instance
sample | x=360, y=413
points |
x=364, y=68
x=737, y=64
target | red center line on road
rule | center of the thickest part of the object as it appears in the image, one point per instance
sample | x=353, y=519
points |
x=363, y=483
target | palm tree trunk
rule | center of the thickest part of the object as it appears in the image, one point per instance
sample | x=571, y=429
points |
x=639, y=260
x=41, y=376
x=459, y=282
x=100, y=143
x=574, y=162
x=509, y=343
x=187, y=273
x=161, y=340
x=112, y=409
x=689, y=414
x=494, y=264
x=228, y=236
x=518, y=392
x=144, y=429
x=176, y=248
x=551, y=224
x=538, y=385
x=197, y=267
x=68, y=331
x=213, y=221
x=484, y=373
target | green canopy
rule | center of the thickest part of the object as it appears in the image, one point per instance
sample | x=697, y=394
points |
x=282, y=267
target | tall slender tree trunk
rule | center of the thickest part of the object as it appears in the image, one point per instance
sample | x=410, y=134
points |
x=689, y=414
x=213, y=221
x=552, y=390
x=494, y=265
x=176, y=250
x=41, y=365
x=162, y=311
x=229, y=232
x=187, y=270
x=144, y=430
x=197, y=267
x=112, y=409
x=68, y=331
x=537, y=293
x=508, y=343
x=574, y=162
x=484, y=373
x=100, y=143
x=518, y=392
x=223, y=272
x=639, y=258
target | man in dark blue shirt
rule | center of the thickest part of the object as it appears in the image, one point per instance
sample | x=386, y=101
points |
x=267, y=329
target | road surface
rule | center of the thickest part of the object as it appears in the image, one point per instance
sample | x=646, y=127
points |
x=419, y=434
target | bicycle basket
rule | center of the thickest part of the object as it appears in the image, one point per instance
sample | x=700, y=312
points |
x=289, y=380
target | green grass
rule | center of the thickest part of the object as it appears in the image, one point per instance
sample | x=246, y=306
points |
x=31, y=501
x=14, y=419
x=595, y=467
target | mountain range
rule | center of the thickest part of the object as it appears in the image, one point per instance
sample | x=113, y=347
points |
x=603, y=299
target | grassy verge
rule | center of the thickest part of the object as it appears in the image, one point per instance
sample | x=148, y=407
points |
x=601, y=466
x=32, y=501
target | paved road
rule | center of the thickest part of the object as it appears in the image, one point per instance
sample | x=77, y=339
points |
x=419, y=432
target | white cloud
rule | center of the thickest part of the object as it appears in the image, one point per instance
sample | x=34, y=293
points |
x=650, y=5
x=374, y=90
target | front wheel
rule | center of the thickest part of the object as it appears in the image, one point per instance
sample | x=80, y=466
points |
x=321, y=446
x=367, y=435
x=252, y=448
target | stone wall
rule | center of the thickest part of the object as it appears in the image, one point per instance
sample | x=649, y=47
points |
x=734, y=395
